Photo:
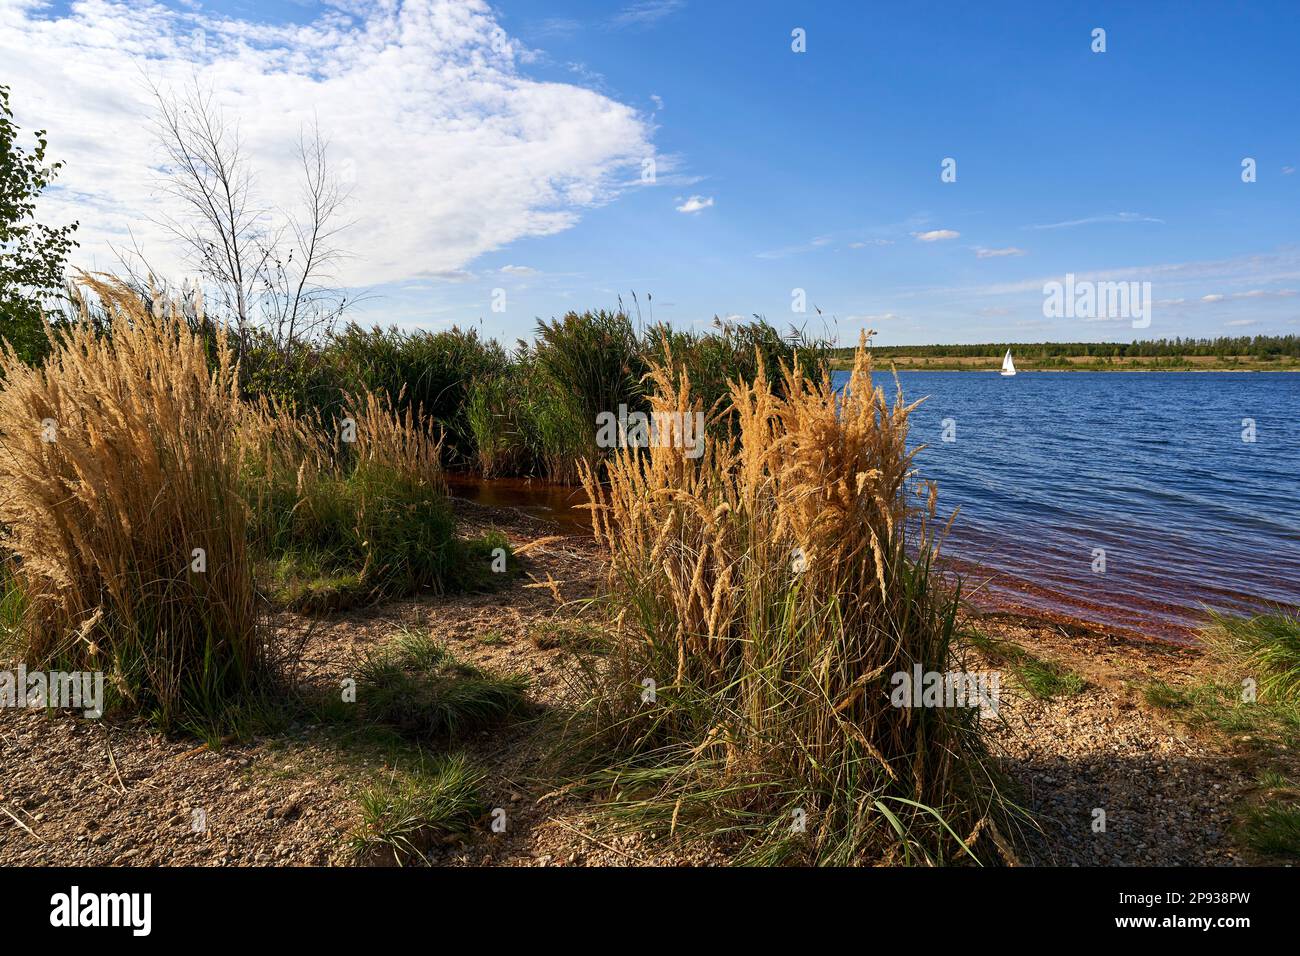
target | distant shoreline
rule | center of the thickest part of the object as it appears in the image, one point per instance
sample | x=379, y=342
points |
x=882, y=364
x=1084, y=364
x=1259, y=353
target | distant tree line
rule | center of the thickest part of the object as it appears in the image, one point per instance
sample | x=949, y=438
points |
x=1266, y=347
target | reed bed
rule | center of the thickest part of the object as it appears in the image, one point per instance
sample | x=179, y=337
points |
x=359, y=501
x=768, y=590
x=122, y=510
x=527, y=412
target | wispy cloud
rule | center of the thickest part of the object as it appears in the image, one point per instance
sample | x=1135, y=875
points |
x=557, y=27
x=936, y=235
x=812, y=245
x=1092, y=220
x=981, y=252
x=695, y=204
x=1251, y=294
x=1252, y=270
x=645, y=13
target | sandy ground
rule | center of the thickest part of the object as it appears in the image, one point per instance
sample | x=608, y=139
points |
x=78, y=792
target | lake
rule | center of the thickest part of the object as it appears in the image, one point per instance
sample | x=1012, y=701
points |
x=1151, y=468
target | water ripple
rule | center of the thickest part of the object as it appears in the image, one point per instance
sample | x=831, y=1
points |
x=1151, y=467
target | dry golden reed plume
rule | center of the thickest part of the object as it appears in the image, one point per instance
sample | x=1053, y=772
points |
x=119, y=494
x=407, y=441
x=770, y=588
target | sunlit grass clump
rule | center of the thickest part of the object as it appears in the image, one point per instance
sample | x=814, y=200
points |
x=767, y=591
x=1272, y=826
x=1265, y=647
x=1041, y=679
x=419, y=688
x=406, y=815
x=1255, y=696
x=120, y=499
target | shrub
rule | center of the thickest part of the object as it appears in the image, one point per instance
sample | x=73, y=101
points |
x=429, y=371
x=32, y=255
x=297, y=376
x=119, y=489
x=768, y=589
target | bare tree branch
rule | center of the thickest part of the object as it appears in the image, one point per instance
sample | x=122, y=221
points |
x=273, y=271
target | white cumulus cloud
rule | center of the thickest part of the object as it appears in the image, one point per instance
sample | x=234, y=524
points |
x=450, y=149
x=936, y=235
x=695, y=204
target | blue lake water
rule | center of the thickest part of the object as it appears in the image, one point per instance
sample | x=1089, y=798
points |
x=1150, y=467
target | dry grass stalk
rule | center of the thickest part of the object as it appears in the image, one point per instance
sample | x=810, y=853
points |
x=769, y=591
x=119, y=492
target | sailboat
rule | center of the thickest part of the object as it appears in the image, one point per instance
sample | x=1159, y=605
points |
x=1008, y=366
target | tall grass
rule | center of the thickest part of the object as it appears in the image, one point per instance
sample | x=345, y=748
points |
x=495, y=415
x=526, y=423
x=434, y=372
x=527, y=412
x=1266, y=646
x=119, y=492
x=363, y=496
x=589, y=363
x=733, y=352
x=770, y=589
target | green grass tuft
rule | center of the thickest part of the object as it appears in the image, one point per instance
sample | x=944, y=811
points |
x=572, y=635
x=403, y=817
x=1265, y=648
x=1266, y=726
x=1273, y=828
x=417, y=686
x=1045, y=680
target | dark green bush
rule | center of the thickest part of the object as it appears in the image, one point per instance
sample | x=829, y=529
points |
x=432, y=371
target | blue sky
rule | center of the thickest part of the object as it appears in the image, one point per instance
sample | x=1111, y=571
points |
x=820, y=170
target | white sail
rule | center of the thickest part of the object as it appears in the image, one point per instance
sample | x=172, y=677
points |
x=1008, y=366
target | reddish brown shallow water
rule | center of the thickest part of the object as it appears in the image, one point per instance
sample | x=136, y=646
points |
x=541, y=499
x=1004, y=578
